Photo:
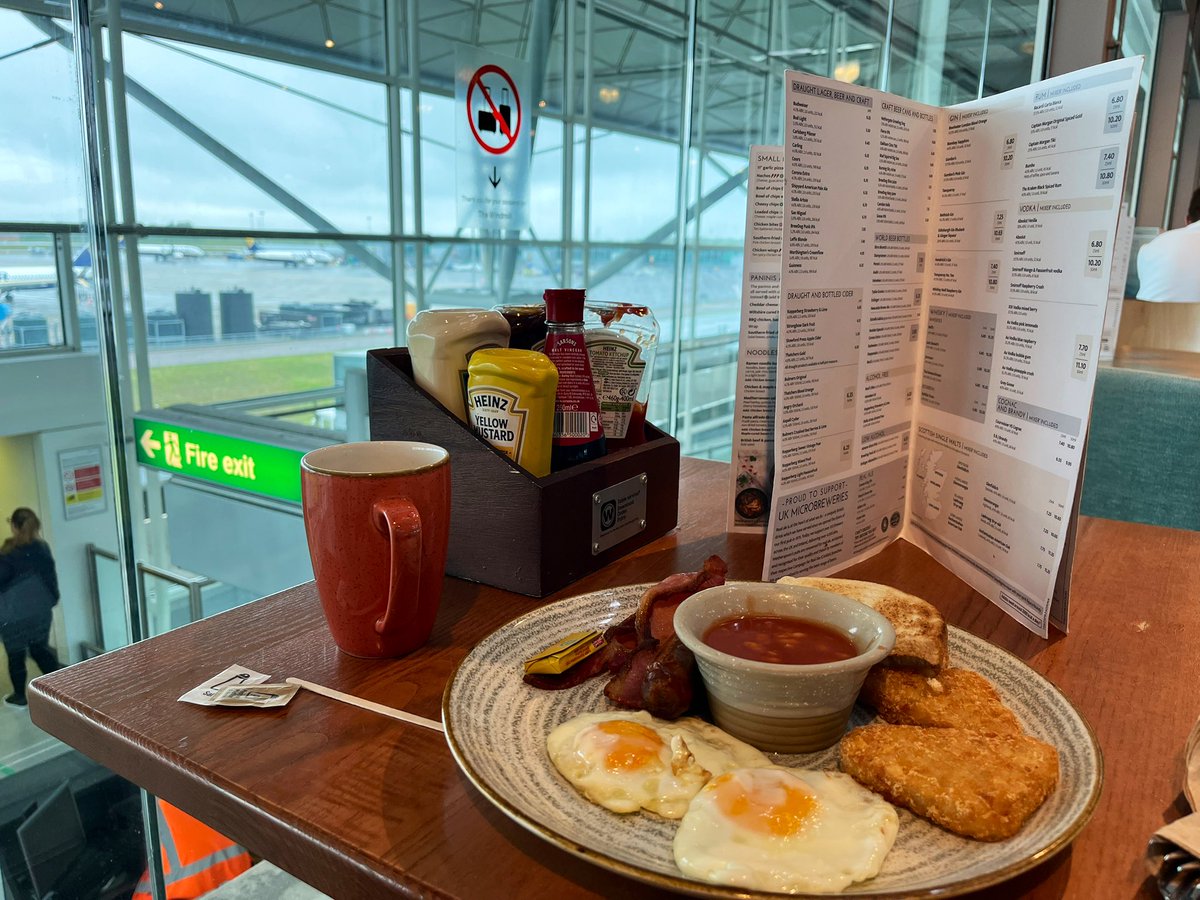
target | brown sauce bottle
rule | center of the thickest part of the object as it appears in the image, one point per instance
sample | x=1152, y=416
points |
x=578, y=432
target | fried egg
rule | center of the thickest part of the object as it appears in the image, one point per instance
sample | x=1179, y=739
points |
x=785, y=830
x=626, y=761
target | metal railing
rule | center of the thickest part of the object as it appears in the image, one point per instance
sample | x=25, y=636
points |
x=193, y=584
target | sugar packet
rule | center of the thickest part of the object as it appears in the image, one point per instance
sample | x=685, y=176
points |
x=263, y=696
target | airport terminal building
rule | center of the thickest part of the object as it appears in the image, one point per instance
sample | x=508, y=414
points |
x=210, y=210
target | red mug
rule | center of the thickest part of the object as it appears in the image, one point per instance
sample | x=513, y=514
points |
x=377, y=515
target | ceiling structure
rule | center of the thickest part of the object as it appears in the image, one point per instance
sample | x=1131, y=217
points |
x=637, y=49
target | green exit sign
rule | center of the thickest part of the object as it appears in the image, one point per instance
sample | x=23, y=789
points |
x=218, y=458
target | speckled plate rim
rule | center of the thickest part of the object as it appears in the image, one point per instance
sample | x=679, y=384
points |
x=681, y=884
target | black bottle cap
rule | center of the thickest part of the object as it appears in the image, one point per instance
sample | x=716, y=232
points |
x=564, y=304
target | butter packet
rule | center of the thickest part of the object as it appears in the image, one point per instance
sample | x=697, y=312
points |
x=572, y=649
x=260, y=695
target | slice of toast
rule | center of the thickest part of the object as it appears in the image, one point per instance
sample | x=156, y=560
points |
x=953, y=698
x=982, y=786
x=920, y=628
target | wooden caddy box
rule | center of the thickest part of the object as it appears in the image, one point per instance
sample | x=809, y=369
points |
x=511, y=530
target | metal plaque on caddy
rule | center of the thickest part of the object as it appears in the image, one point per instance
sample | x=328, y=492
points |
x=618, y=512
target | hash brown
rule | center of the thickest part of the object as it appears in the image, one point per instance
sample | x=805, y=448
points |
x=982, y=786
x=953, y=698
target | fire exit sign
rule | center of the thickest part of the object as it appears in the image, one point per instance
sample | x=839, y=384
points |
x=219, y=458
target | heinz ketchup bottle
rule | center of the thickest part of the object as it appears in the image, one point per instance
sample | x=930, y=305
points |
x=578, y=433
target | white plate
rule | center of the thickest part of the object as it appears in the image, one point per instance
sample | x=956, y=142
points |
x=496, y=726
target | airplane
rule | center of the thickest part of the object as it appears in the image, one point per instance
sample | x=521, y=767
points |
x=169, y=251
x=166, y=251
x=32, y=277
x=305, y=257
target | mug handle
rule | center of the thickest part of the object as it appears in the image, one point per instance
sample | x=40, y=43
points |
x=397, y=517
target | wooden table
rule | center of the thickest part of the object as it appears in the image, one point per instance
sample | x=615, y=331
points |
x=358, y=805
x=1148, y=359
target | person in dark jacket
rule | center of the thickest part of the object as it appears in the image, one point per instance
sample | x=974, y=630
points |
x=26, y=629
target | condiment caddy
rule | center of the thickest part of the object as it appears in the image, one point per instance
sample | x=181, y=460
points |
x=512, y=370
x=516, y=530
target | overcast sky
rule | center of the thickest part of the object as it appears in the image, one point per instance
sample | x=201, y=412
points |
x=319, y=136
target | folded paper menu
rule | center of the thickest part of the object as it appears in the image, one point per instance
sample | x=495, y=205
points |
x=923, y=297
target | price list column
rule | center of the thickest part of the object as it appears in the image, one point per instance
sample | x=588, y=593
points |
x=830, y=157
x=907, y=152
x=830, y=147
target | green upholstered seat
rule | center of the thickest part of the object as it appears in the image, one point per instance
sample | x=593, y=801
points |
x=1143, y=453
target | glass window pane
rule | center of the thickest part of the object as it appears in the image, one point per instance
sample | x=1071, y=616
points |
x=168, y=603
x=723, y=202
x=224, y=140
x=232, y=320
x=111, y=606
x=546, y=180
x=56, y=475
x=635, y=81
x=439, y=203
x=39, y=271
x=348, y=33
x=859, y=56
x=812, y=41
x=41, y=159
x=930, y=39
x=1010, y=46
x=659, y=15
x=1139, y=38
x=738, y=78
x=633, y=186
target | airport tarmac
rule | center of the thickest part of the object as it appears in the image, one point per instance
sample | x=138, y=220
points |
x=273, y=284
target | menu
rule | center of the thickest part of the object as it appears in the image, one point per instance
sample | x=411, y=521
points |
x=1122, y=256
x=754, y=414
x=930, y=343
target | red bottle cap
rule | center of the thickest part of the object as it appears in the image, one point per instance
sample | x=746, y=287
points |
x=564, y=304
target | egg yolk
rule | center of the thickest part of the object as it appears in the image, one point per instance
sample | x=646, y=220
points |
x=629, y=745
x=775, y=807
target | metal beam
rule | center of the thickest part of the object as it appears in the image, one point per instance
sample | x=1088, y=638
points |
x=543, y=14
x=251, y=173
x=687, y=89
x=1154, y=186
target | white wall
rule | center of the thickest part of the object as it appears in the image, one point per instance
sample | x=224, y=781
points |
x=55, y=402
x=57, y=390
x=73, y=617
x=18, y=476
x=68, y=538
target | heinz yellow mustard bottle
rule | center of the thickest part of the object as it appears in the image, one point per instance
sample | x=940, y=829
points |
x=510, y=401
